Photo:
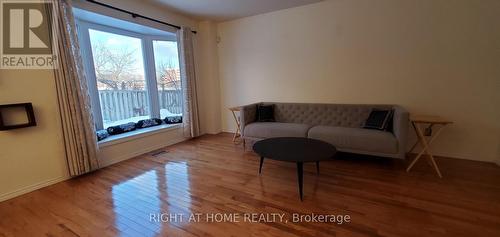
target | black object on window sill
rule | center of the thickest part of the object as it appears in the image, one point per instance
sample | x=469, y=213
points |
x=6, y=110
x=173, y=119
x=148, y=123
x=124, y=128
x=102, y=134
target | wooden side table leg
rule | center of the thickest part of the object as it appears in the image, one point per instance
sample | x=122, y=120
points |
x=414, y=161
x=234, y=137
x=431, y=157
x=238, y=132
x=421, y=140
x=429, y=153
x=421, y=152
x=427, y=150
x=413, y=147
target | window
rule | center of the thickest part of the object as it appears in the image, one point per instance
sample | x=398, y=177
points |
x=133, y=75
x=121, y=82
x=167, y=77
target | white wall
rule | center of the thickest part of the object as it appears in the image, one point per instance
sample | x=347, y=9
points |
x=31, y=158
x=431, y=56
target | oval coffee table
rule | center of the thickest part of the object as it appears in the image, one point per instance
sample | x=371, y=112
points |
x=294, y=149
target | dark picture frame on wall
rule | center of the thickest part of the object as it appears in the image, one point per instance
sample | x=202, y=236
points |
x=4, y=112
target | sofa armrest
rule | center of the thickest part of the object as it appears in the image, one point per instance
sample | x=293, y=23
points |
x=247, y=115
x=400, y=128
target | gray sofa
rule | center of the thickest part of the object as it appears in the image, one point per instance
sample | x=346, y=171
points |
x=338, y=124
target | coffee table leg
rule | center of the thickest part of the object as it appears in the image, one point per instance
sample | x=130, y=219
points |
x=299, y=176
x=261, y=162
x=317, y=167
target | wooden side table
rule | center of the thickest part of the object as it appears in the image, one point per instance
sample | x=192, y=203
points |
x=237, y=134
x=430, y=121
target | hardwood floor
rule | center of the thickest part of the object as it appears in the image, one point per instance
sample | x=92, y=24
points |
x=210, y=175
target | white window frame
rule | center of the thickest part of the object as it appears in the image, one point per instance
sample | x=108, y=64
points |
x=83, y=28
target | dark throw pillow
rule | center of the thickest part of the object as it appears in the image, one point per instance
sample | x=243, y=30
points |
x=102, y=134
x=122, y=128
x=390, y=122
x=378, y=119
x=148, y=123
x=173, y=119
x=265, y=113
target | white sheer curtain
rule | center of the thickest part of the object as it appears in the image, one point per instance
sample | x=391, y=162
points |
x=74, y=103
x=188, y=79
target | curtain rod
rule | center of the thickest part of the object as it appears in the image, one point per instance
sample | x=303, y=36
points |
x=135, y=15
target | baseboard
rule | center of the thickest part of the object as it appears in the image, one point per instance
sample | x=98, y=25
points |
x=105, y=163
x=31, y=188
x=454, y=156
x=108, y=162
x=228, y=130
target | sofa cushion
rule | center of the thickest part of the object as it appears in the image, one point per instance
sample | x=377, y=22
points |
x=356, y=138
x=274, y=129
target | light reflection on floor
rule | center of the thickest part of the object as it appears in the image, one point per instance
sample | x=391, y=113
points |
x=178, y=188
x=166, y=190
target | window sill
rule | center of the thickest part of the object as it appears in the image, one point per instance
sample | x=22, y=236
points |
x=136, y=134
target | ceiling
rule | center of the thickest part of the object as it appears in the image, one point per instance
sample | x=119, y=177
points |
x=223, y=10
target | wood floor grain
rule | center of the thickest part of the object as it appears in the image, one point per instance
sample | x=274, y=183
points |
x=210, y=175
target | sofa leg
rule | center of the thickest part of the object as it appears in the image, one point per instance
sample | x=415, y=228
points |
x=244, y=144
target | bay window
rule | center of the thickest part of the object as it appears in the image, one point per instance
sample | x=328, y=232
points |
x=133, y=72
